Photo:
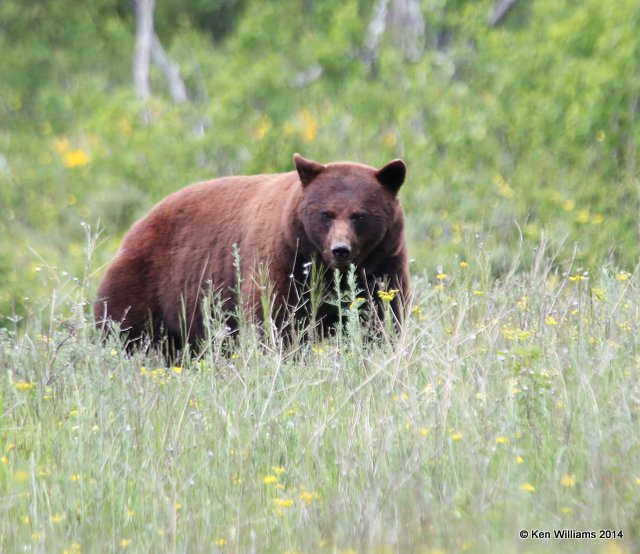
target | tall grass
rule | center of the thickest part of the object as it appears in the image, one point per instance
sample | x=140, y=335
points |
x=502, y=405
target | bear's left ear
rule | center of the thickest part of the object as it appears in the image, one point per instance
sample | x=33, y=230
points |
x=308, y=170
x=392, y=175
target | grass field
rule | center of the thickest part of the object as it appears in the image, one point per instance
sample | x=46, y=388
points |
x=503, y=405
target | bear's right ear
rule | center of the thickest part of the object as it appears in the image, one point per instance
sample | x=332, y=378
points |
x=392, y=175
x=308, y=170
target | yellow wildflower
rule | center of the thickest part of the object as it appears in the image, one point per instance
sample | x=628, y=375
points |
x=263, y=127
x=75, y=158
x=283, y=502
x=503, y=187
x=390, y=139
x=550, y=320
x=388, y=295
x=502, y=440
x=527, y=487
x=22, y=385
x=457, y=436
x=310, y=126
x=623, y=276
x=21, y=475
x=583, y=216
x=513, y=333
x=269, y=479
x=60, y=145
x=568, y=481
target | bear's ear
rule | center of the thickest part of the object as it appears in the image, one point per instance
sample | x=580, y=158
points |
x=308, y=170
x=392, y=175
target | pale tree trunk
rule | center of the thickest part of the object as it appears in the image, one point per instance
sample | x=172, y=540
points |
x=170, y=70
x=148, y=48
x=142, y=55
x=404, y=19
x=375, y=31
x=500, y=11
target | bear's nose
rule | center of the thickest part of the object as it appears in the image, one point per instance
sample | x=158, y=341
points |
x=341, y=251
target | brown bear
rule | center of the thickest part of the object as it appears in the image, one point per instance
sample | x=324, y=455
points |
x=276, y=225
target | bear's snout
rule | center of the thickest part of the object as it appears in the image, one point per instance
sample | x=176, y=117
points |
x=341, y=252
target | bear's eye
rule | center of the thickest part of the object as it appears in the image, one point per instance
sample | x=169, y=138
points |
x=358, y=216
x=326, y=215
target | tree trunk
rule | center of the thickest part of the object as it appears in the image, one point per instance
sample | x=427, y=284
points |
x=148, y=48
x=500, y=11
x=404, y=19
x=375, y=30
x=143, y=10
x=170, y=70
x=408, y=23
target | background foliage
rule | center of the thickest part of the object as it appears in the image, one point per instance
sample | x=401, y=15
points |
x=528, y=128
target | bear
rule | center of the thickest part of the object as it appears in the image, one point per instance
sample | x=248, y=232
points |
x=199, y=239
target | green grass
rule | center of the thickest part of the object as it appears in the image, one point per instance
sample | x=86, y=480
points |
x=502, y=405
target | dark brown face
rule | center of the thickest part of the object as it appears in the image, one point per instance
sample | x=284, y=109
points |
x=346, y=209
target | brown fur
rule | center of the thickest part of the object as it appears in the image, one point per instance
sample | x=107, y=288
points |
x=338, y=214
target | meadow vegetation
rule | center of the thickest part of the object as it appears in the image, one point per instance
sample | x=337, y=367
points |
x=501, y=406
x=509, y=401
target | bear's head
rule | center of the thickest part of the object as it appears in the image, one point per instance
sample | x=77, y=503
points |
x=347, y=209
